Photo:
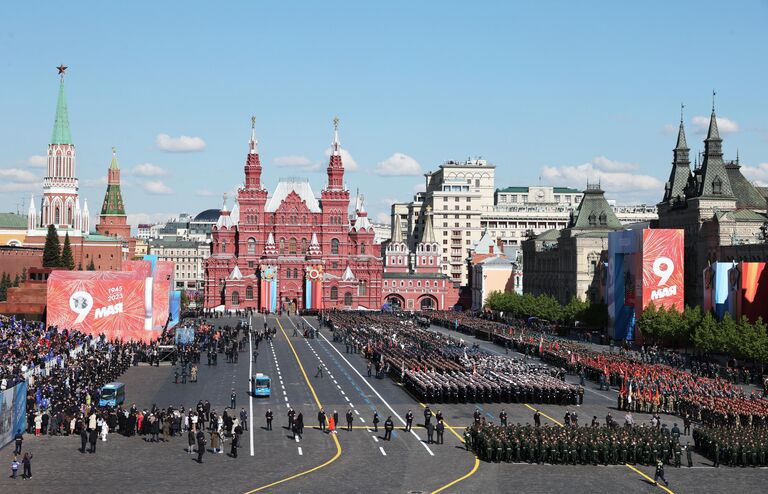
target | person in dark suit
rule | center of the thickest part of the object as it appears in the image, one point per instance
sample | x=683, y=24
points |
x=408, y=421
x=83, y=439
x=200, y=446
x=93, y=436
x=350, y=418
x=235, y=445
x=430, y=432
x=269, y=416
x=388, y=426
x=440, y=430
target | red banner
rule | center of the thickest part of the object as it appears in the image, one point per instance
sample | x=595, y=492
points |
x=143, y=269
x=663, y=282
x=99, y=302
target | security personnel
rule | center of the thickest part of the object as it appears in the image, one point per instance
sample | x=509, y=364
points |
x=503, y=417
x=408, y=421
x=388, y=426
x=427, y=416
x=291, y=418
x=376, y=422
x=440, y=430
x=350, y=418
x=269, y=416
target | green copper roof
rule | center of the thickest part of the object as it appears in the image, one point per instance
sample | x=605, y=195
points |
x=13, y=220
x=113, y=201
x=594, y=212
x=61, y=133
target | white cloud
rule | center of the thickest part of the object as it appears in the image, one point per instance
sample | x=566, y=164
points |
x=37, y=161
x=149, y=170
x=299, y=162
x=349, y=162
x=204, y=193
x=724, y=125
x=614, y=177
x=758, y=174
x=399, y=165
x=383, y=218
x=149, y=218
x=157, y=187
x=20, y=187
x=95, y=182
x=17, y=175
x=181, y=144
x=668, y=129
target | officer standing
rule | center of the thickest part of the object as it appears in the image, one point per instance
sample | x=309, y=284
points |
x=232, y=399
x=201, y=445
x=269, y=416
x=503, y=417
x=350, y=418
x=427, y=416
x=440, y=430
x=408, y=421
x=291, y=417
x=375, y=422
x=430, y=433
x=388, y=426
x=659, y=473
x=688, y=455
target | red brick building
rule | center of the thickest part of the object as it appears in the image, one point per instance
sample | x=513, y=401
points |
x=292, y=250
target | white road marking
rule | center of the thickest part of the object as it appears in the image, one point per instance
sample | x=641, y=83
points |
x=300, y=452
x=372, y=388
x=357, y=412
x=375, y=438
x=382, y=451
x=250, y=374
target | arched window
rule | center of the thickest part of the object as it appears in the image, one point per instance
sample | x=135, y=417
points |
x=295, y=273
x=56, y=215
x=249, y=293
x=362, y=248
x=303, y=245
x=334, y=293
x=427, y=303
x=292, y=246
x=287, y=273
x=335, y=246
x=235, y=298
x=362, y=289
x=223, y=246
x=282, y=246
x=347, y=298
x=251, y=245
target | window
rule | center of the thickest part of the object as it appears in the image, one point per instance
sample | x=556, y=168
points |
x=249, y=293
x=282, y=246
x=287, y=273
x=251, y=245
x=445, y=241
x=235, y=298
x=477, y=182
x=457, y=199
x=295, y=273
x=335, y=265
x=250, y=264
x=362, y=248
x=347, y=298
x=223, y=246
x=303, y=245
x=469, y=208
x=445, y=224
x=362, y=289
x=334, y=293
x=292, y=246
x=335, y=246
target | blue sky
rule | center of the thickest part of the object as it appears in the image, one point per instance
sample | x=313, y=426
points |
x=558, y=90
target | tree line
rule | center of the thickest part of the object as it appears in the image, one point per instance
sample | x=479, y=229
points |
x=695, y=328
x=576, y=312
x=57, y=256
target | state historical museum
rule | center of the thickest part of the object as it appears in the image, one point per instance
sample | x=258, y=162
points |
x=290, y=250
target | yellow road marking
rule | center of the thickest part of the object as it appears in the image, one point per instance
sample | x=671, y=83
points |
x=474, y=467
x=319, y=405
x=625, y=464
x=471, y=472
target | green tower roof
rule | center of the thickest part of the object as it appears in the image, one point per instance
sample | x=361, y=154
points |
x=61, y=133
x=113, y=202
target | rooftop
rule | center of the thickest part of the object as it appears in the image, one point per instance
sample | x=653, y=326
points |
x=556, y=190
x=13, y=220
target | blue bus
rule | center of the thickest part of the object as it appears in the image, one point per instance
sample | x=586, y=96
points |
x=261, y=385
x=112, y=394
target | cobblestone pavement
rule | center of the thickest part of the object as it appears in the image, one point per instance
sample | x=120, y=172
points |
x=365, y=463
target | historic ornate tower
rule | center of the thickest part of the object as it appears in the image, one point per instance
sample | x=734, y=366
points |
x=60, y=204
x=113, y=221
x=335, y=205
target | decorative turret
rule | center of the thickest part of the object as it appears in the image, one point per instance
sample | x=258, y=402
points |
x=427, y=257
x=113, y=200
x=31, y=214
x=396, y=254
x=714, y=180
x=335, y=166
x=314, y=247
x=61, y=133
x=253, y=163
x=270, y=249
x=681, y=166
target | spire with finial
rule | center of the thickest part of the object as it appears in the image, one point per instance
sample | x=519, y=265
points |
x=253, y=143
x=336, y=144
x=713, y=134
x=224, y=199
x=113, y=164
x=678, y=177
x=61, y=133
x=335, y=166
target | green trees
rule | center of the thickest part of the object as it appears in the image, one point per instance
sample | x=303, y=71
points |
x=5, y=284
x=67, y=259
x=546, y=307
x=52, y=249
